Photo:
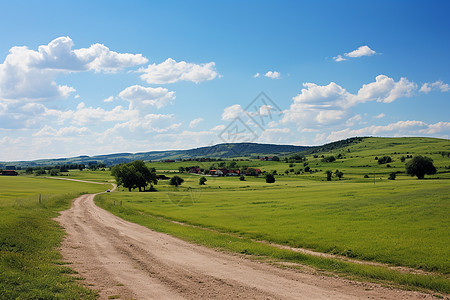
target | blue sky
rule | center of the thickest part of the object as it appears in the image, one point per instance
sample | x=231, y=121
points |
x=85, y=78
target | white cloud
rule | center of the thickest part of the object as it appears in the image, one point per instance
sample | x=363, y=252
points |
x=171, y=71
x=435, y=86
x=256, y=75
x=109, y=99
x=361, y=51
x=65, y=131
x=275, y=135
x=194, y=123
x=380, y=116
x=218, y=128
x=232, y=112
x=318, y=106
x=385, y=89
x=400, y=128
x=273, y=74
x=140, y=96
x=29, y=75
x=339, y=58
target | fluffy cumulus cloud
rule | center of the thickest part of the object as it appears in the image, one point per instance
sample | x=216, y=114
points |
x=435, y=86
x=361, y=51
x=232, y=112
x=171, y=71
x=29, y=75
x=273, y=74
x=140, y=96
x=318, y=106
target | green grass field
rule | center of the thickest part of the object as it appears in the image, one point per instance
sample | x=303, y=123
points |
x=30, y=264
x=402, y=222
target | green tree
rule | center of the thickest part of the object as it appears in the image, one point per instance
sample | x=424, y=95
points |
x=339, y=174
x=329, y=173
x=54, y=172
x=29, y=170
x=242, y=178
x=392, y=176
x=202, y=181
x=181, y=169
x=270, y=178
x=143, y=175
x=419, y=166
x=134, y=175
x=176, y=181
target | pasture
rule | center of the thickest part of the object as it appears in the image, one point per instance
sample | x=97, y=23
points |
x=402, y=222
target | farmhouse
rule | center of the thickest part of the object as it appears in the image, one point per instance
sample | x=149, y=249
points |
x=9, y=173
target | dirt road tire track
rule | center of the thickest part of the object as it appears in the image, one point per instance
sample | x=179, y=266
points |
x=121, y=258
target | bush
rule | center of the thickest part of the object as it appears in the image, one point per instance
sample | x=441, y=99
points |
x=329, y=159
x=384, y=160
x=392, y=176
x=270, y=178
x=366, y=176
x=202, y=181
x=242, y=178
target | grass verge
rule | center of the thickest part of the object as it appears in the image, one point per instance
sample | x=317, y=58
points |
x=31, y=266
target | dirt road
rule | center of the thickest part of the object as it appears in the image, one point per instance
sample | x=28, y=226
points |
x=124, y=259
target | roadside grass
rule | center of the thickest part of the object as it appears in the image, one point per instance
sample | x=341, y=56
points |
x=30, y=263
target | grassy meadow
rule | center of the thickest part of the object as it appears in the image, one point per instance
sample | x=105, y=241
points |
x=402, y=222
x=30, y=264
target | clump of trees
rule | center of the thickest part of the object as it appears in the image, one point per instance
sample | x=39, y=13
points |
x=134, y=175
x=339, y=174
x=329, y=159
x=176, y=181
x=419, y=166
x=384, y=160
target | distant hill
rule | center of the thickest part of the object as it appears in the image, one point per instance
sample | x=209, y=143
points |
x=227, y=150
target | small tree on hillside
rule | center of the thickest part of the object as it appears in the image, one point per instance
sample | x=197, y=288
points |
x=242, y=178
x=329, y=173
x=270, y=178
x=419, y=166
x=202, y=181
x=176, y=181
x=339, y=174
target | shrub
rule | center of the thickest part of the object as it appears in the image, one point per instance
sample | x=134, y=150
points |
x=392, y=176
x=242, y=178
x=366, y=176
x=270, y=178
x=384, y=160
x=202, y=181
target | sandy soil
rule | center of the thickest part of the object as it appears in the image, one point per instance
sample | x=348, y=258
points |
x=119, y=258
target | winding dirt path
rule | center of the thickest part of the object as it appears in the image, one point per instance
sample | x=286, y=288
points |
x=126, y=260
